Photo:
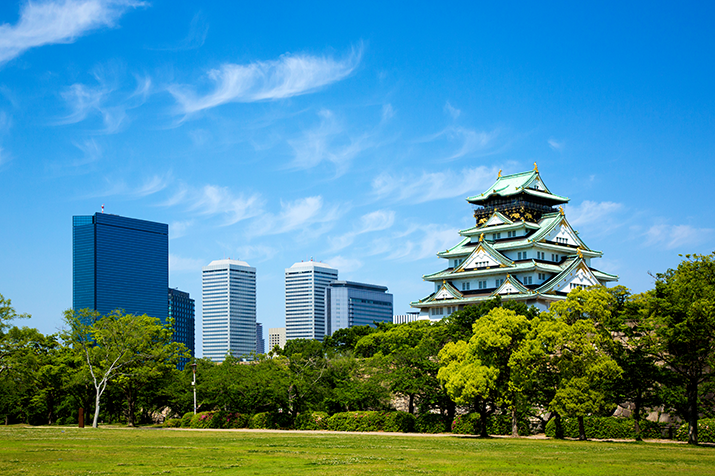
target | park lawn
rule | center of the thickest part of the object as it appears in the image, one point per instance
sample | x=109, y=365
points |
x=65, y=451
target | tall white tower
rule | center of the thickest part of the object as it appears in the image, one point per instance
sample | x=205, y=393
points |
x=229, y=309
x=305, y=299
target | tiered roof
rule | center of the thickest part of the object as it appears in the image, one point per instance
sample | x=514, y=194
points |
x=515, y=220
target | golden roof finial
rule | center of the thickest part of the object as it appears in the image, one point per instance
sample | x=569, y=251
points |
x=561, y=211
x=481, y=237
x=499, y=173
x=444, y=281
x=580, y=255
x=536, y=169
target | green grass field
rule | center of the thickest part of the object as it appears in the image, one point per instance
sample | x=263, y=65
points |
x=64, y=451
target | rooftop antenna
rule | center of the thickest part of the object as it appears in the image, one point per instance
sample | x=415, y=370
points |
x=103, y=208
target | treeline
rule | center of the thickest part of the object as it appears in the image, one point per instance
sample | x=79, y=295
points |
x=499, y=361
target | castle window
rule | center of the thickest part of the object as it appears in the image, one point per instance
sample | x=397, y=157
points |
x=465, y=286
x=496, y=236
x=527, y=280
x=521, y=254
x=482, y=284
x=481, y=264
x=499, y=282
x=561, y=240
x=577, y=285
x=542, y=276
x=554, y=258
x=510, y=234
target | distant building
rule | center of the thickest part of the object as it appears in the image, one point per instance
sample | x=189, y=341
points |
x=120, y=263
x=276, y=337
x=305, y=285
x=260, y=342
x=181, y=309
x=349, y=304
x=405, y=318
x=229, y=309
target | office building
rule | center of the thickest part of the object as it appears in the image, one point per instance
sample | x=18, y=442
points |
x=120, y=263
x=229, y=309
x=182, y=311
x=260, y=342
x=276, y=337
x=405, y=318
x=305, y=284
x=349, y=304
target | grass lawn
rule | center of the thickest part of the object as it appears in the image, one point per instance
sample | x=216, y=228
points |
x=60, y=451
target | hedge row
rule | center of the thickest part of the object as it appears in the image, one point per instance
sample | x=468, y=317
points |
x=469, y=424
x=706, y=431
x=372, y=421
x=606, y=428
x=210, y=420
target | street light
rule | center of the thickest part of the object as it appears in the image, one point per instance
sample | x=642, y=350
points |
x=193, y=384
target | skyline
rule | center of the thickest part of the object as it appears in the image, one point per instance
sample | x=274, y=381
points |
x=274, y=133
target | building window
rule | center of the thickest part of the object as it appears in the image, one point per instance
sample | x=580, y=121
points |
x=540, y=255
x=561, y=240
x=496, y=236
x=510, y=234
x=499, y=282
x=521, y=254
x=481, y=264
x=576, y=285
x=554, y=257
x=542, y=276
x=527, y=280
x=482, y=284
x=465, y=286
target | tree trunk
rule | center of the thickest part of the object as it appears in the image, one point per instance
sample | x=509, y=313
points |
x=411, y=406
x=581, y=429
x=559, y=426
x=637, y=417
x=692, y=393
x=514, y=424
x=96, y=410
x=130, y=412
x=483, y=420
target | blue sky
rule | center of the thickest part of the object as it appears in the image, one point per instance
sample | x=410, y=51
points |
x=274, y=133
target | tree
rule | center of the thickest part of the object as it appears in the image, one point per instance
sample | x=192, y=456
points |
x=116, y=345
x=7, y=313
x=682, y=324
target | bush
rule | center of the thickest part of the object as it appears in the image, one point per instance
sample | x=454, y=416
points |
x=706, y=431
x=237, y=420
x=501, y=425
x=173, y=423
x=357, y=421
x=201, y=420
x=467, y=424
x=270, y=420
x=311, y=421
x=186, y=419
x=399, y=422
x=432, y=423
x=605, y=428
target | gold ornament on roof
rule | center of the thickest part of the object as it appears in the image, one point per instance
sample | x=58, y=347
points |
x=561, y=211
x=580, y=255
x=499, y=173
x=536, y=169
x=481, y=237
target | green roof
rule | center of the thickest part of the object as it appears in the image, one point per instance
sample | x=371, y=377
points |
x=514, y=184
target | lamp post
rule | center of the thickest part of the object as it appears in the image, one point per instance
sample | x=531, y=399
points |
x=193, y=384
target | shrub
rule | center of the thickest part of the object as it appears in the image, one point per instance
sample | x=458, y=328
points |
x=501, y=425
x=236, y=420
x=186, y=419
x=605, y=428
x=467, y=424
x=263, y=420
x=357, y=421
x=201, y=420
x=173, y=423
x=706, y=431
x=311, y=421
x=399, y=422
x=432, y=423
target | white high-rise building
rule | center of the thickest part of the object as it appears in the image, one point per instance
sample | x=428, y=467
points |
x=305, y=284
x=276, y=337
x=229, y=309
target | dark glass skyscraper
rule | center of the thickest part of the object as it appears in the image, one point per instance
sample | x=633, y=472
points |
x=120, y=263
x=182, y=310
x=349, y=304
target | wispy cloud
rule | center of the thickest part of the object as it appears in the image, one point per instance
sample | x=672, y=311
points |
x=198, y=29
x=374, y=221
x=451, y=110
x=290, y=75
x=84, y=100
x=179, y=264
x=255, y=253
x=677, y=236
x=344, y=265
x=421, y=242
x=295, y=215
x=178, y=229
x=328, y=142
x=51, y=22
x=557, y=146
x=149, y=186
x=214, y=200
x=593, y=213
x=433, y=185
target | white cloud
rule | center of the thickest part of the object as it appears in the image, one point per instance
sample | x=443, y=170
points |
x=327, y=142
x=178, y=229
x=557, y=146
x=179, y=264
x=295, y=215
x=215, y=200
x=593, y=213
x=451, y=110
x=677, y=236
x=198, y=29
x=431, y=239
x=49, y=22
x=257, y=253
x=290, y=75
x=374, y=221
x=387, y=112
x=434, y=185
x=344, y=265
